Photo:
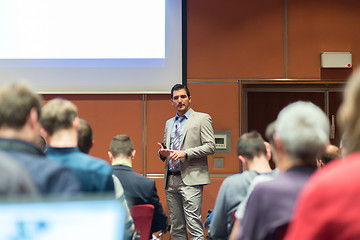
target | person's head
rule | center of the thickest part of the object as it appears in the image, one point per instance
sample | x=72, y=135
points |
x=180, y=98
x=349, y=114
x=269, y=134
x=249, y=146
x=85, y=136
x=301, y=132
x=20, y=108
x=59, y=114
x=331, y=153
x=121, y=146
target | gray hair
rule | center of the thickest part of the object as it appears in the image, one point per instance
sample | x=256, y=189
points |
x=303, y=129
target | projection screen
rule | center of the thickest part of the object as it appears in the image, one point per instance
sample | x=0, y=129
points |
x=92, y=46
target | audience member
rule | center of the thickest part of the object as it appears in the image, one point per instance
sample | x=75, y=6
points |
x=14, y=180
x=254, y=157
x=269, y=155
x=85, y=136
x=331, y=153
x=20, y=109
x=61, y=123
x=129, y=223
x=138, y=189
x=239, y=214
x=302, y=131
x=328, y=208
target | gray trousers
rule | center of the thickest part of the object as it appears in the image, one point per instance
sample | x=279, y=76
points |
x=184, y=204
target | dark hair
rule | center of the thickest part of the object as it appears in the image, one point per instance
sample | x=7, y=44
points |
x=251, y=145
x=16, y=102
x=41, y=143
x=85, y=136
x=270, y=131
x=121, y=145
x=177, y=87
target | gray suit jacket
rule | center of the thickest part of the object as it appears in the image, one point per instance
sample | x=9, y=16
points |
x=198, y=141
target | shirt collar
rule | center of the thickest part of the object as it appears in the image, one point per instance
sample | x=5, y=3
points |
x=121, y=162
x=187, y=114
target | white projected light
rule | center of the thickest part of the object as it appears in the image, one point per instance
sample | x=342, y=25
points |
x=41, y=29
x=91, y=46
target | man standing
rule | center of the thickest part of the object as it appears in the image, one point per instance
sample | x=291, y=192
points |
x=188, y=140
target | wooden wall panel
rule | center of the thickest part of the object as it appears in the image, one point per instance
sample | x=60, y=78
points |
x=321, y=26
x=235, y=39
x=221, y=101
x=108, y=116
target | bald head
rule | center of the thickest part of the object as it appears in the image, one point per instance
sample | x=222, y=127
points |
x=331, y=152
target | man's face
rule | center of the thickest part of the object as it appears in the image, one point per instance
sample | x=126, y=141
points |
x=181, y=101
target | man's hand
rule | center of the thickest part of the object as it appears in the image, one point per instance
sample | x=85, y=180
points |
x=176, y=154
x=163, y=151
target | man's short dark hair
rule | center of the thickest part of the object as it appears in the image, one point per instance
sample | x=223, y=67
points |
x=16, y=102
x=121, y=145
x=177, y=87
x=85, y=136
x=41, y=143
x=251, y=145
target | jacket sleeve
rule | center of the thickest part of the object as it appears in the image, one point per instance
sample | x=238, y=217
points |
x=207, y=141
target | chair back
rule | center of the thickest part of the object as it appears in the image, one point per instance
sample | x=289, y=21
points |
x=142, y=216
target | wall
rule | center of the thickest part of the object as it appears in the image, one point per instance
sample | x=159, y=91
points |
x=230, y=44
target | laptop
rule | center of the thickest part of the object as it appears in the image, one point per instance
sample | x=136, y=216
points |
x=84, y=218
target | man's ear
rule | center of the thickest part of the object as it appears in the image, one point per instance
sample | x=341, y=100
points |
x=33, y=118
x=243, y=160
x=110, y=156
x=319, y=163
x=44, y=133
x=278, y=144
x=76, y=123
x=133, y=155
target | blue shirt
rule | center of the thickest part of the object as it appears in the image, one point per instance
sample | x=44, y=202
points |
x=182, y=126
x=94, y=174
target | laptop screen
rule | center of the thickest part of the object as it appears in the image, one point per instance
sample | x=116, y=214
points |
x=52, y=220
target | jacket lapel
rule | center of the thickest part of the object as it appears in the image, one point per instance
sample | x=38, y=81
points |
x=169, y=130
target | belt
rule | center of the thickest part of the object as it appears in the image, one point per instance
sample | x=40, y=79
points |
x=174, y=173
